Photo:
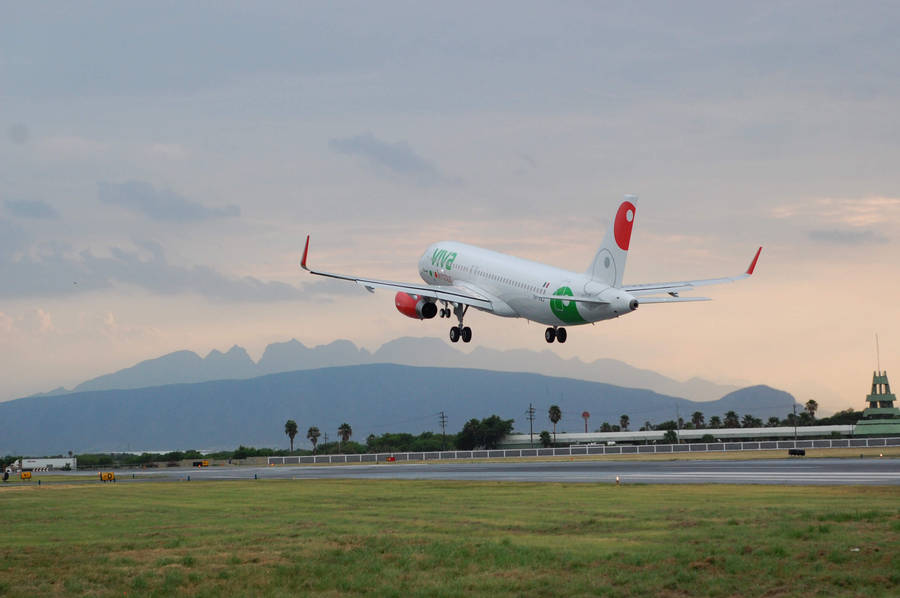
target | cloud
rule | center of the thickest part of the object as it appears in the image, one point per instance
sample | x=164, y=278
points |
x=848, y=237
x=37, y=210
x=394, y=158
x=18, y=134
x=853, y=212
x=145, y=267
x=159, y=204
x=12, y=239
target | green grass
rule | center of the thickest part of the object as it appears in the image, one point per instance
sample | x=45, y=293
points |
x=399, y=538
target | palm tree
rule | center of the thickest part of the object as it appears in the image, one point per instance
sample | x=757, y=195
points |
x=313, y=436
x=545, y=438
x=732, y=420
x=748, y=421
x=555, y=414
x=697, y=419
x=811, y=407
x=623, y=422
x=345, y=432
x=715, y=422
x=290, y=428
x=774, y=422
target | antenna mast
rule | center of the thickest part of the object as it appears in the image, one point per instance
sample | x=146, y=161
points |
x=877, y=353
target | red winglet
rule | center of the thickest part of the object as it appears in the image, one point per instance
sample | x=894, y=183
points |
x=306, y=251
x=749, y=270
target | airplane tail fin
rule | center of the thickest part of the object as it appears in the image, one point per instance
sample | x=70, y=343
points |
x=609, y=262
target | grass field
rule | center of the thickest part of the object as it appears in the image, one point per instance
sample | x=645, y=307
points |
x=397, y=538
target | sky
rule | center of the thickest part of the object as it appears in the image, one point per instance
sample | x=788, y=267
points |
x=161, y=165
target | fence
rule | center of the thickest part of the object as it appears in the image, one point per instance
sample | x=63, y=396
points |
x=593, y=449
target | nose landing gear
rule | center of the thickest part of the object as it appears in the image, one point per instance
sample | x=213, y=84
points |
x=555, y=334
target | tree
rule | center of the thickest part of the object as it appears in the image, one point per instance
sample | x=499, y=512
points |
x=697, y=419
x=773, y=422
x=605, y=427
x=732, y=420
x=670, y=437
x=555, y=414
x=748, y=421
x=623, y=422
x=345, y=432
x=486, y=433
x=811, y=407
x=715, y=422
x=290, y=428
x=313, y=436
x=545, y=439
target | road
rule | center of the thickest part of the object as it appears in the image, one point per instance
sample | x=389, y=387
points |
x=870, y=471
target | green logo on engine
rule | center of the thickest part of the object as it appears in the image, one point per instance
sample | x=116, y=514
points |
x=567, y=313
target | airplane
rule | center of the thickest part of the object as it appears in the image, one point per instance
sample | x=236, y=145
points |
x=459, y=276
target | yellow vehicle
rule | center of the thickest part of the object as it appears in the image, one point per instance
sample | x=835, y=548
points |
x=107, y=476
x=25, y=475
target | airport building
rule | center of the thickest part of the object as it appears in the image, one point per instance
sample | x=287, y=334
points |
x=693, y=435
x=880, y=417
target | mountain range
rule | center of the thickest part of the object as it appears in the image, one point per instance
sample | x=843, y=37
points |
x=187, y=366
x=372, y=398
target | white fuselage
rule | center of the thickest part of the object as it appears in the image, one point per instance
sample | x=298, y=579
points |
x=519, y=288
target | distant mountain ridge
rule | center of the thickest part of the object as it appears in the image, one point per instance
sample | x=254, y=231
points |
x=188, y=367
x=372, y=398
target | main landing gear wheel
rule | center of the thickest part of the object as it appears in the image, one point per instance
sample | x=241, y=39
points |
x=555, y=334
x=460, y=331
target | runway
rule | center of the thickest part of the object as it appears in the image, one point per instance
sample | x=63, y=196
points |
x=804, y=472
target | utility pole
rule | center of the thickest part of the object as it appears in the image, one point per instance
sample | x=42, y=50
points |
x=443, y=420
x=325, y=434
x=530, y=415
x=678, y=423
x=795, y=425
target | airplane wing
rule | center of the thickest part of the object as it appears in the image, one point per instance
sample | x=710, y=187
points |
x=455, y=294
x=674, y=288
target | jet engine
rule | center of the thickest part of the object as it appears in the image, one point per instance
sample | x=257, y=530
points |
x=413, y=306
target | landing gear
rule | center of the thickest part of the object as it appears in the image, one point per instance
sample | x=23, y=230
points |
x=555, y=334
x=459, y=332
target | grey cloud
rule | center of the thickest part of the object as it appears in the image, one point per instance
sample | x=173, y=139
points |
x=159, y=204
x=39, y=210
x=397, y=158
x=18, y=134
x=847, y=237
x=12, y=239
x=57, y=274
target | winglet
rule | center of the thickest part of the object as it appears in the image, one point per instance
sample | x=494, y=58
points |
x=749, y=270
x=306, y=252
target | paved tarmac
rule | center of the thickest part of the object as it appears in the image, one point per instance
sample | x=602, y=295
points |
x=805, y=472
